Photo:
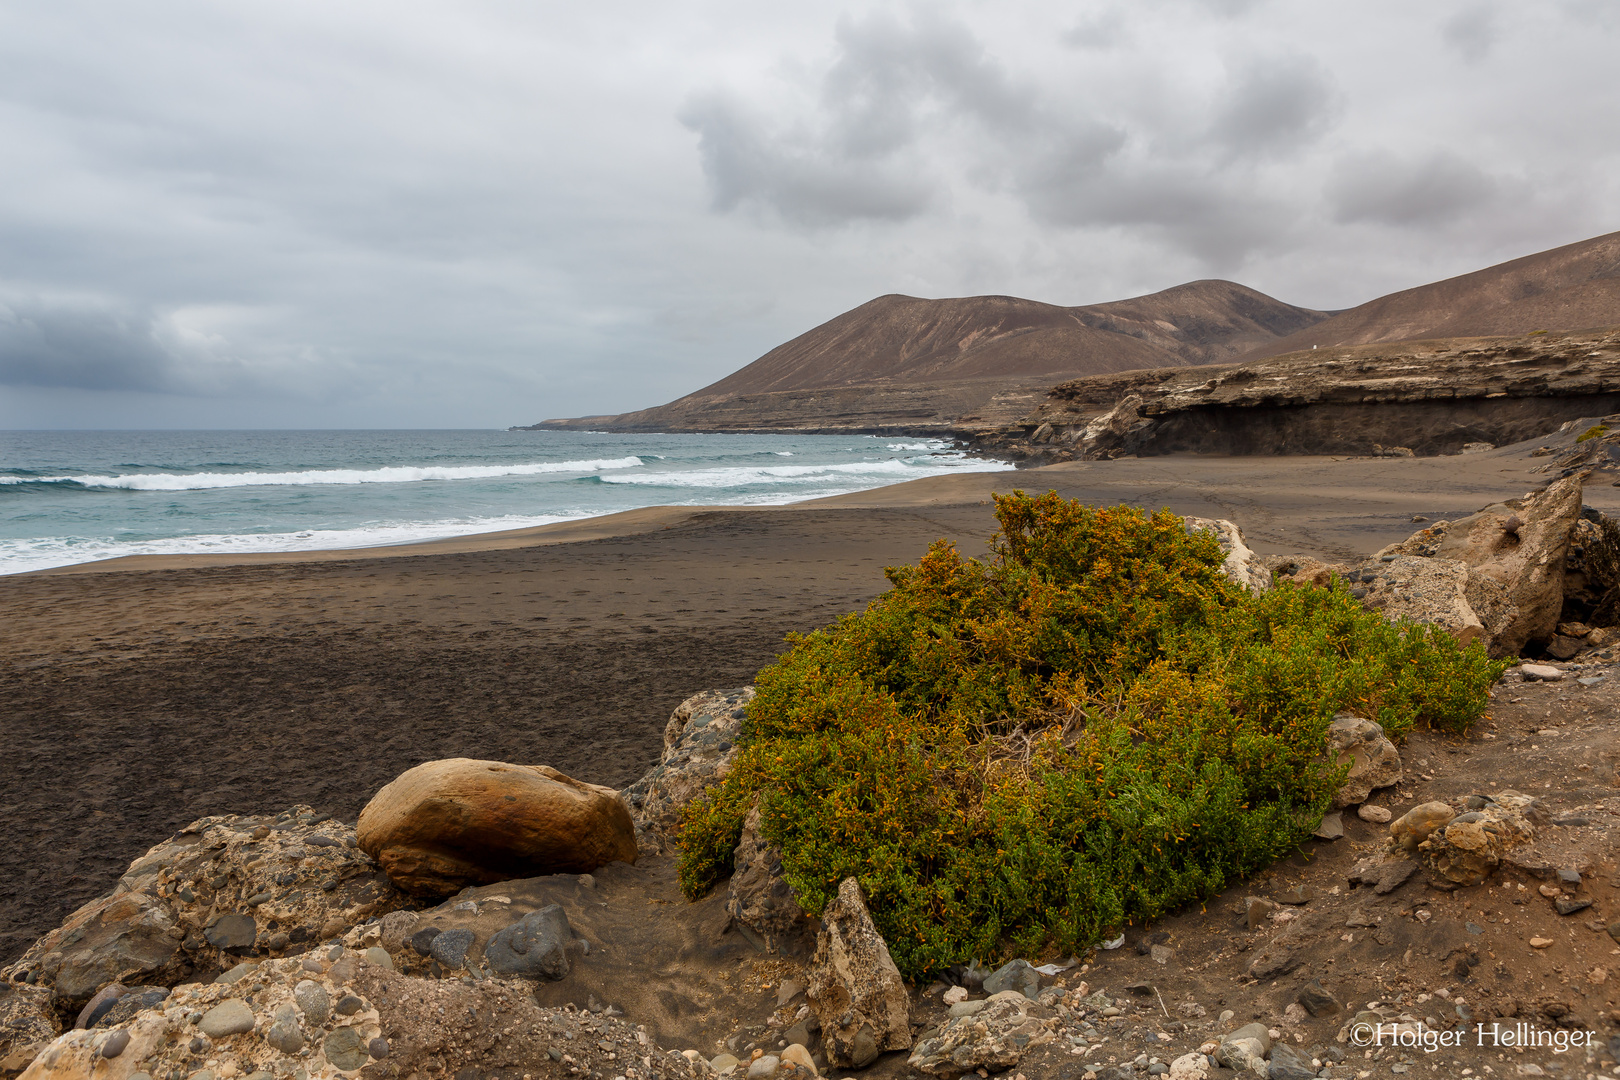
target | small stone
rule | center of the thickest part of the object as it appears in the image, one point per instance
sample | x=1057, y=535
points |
x=1286, y=1064
x=1551, y=892
x=1473, y=928
x=1543, y=672
x=313, y=1001
x=1299, y=894
x=1317, y=1001
x=1573, y=821
x=796, y=1054
x=278, y=942
x=1257, y=910
x=450, y=948
x=236, y=973
x=1570, y=878
x=285, y=1037
x=378, y=956
x=723, y=1062
x=229, y=1017
x=967, y=1008
x=1393, y=875
x=422, y=940
x=232, y=932
x=100, y=1005
x=1540, y=942
x=764, y=1067
x=1378, y=815
x=377, y=1048
x=349, y=1004
x=1162, y=954
x=1331, y=827
x=1015, y=975
x=954, y=994
x=1416, y=825
x=116, y=1043
x=346, y=1049
x=1571, y=905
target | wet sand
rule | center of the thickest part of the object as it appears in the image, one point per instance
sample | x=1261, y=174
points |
x=144, y=693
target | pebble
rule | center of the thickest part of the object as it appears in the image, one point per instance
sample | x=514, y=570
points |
x=115, y=1044
x=450, y=947
x=1378, y=815
x=1331, y=827
x=313, y=1001
x=954, y=994
x=1532, y=672
x=1540, y=942
x=349, y=1004
x=232, y=932
x=378, y=956
x=229, y=1017
x=1571, y=906
x=285, y=1037
x=346, y=1049
x=378, y=1048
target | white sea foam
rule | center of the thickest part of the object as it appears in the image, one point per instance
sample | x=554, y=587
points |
x=20, y=556
x=878, y=473
x=394, y=474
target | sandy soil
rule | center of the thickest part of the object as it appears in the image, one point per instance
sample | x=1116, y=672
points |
x=142, y=694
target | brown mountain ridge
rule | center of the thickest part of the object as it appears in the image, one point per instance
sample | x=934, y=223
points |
x=901, y=364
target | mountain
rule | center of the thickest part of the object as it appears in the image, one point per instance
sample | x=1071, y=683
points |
x=904, y=363
x=1575, y=287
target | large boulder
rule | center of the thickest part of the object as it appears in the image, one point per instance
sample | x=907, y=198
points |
x=1116, y=432
x=699, y=743
x=855, y=988
x=1429, y=590
x=1469, y=847
x=1242, y=565
x=1374, y=762
x=995, y=1037
x=759, y=898
x=222, y=889
x=448, y=824
x=1521, y=545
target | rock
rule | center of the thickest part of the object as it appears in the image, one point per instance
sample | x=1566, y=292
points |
x=1378, y=815
x=161, y=921
x=1540, y=942
x=1571, y=905
x=448, y=824
x=1189, y=1067
x=115, y=1044
x=967, y=1008
x=397, y=928
x=1414, y=826
x=379, y=956
x=230, y=1017
x=1016, y=975
x=1299, y=894
x=1317, y=1001
x=422, y=940
x=1392, y=875
x=994, y=1038
x=1256, y=910
x=346, y=1049
x=787, y=990
x=285, y=1036
x=1527, y=560
x=27, y=1024
x=450, y=947
x=1429, y=590
x=1540, y=673
x=1241, y=564
x=722, y=1063
x=100, y=1004
x=1564, y=648
x=1274, y=960
x=855, y=989
x=313, y=1001
x=758, y=897
x=349, y=1004
x=1470, y=848
x=137, y=1000
x=1374, y=762
x=796, y=1054
x=536, y=946
x=699, y=744
x=1114, y=432
x=1286, y=1064
x=377, y=1048
x=1331, y=826
x=1245, y=1049
x=764, y=1068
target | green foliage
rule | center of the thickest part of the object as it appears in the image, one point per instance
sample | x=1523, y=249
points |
x=1593, y=432
x=1094, y=726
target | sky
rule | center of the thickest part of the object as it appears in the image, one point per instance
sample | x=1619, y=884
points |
x=478, y=214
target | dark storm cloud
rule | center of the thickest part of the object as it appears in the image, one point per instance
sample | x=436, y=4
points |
x=1424, y=192
x=83, y=347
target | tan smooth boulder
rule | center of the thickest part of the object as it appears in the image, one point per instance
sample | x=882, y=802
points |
x=1413, y=827
x=1424, y=590
x=1242, y=565
x=854, y=986
x=448, y=824
x=1522, y=545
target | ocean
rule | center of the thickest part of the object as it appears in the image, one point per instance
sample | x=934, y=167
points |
x=77, y=496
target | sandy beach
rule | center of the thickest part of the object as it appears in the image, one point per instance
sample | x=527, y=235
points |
x=144, y=693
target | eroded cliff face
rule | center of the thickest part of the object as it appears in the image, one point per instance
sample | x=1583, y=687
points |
x=1428, y=397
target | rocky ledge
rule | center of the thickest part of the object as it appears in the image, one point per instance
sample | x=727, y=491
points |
x=1422, y=397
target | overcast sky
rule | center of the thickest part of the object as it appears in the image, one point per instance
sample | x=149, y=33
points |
x=475, y=214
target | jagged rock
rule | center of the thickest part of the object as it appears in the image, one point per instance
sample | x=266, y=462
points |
x=994, y=1038
x=699, y=743
x=1016, y=975
x=1287, y=1064
x=1472, y=845
x=1190, y=1067
x=1317, y=1001
x=855, y=989
x=1428, y=590
x=1111, y=434
x=27, y=1023
x=184, y=904
x=1522, y=544
x=758, y=897
x=1374, y=761
x=448, y=824
x=1242, y=565
x=1331, y=827
x=1413, y=827
x=535, y=946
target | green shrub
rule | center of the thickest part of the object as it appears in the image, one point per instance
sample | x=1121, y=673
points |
x=1593, y=432
x=1093, y=727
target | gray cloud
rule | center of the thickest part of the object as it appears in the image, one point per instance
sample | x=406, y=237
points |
x=1424, y=192
x=83, y=347
x=1275, y=105
x=1472, y=30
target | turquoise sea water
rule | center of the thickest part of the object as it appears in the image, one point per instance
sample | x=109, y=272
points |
x=75, y=496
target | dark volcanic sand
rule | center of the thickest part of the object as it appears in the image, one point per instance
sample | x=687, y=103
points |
x=133, y=702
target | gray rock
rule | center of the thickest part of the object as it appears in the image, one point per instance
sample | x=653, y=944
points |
x=99, y=1005
x=1317, y=1001
x=232, y=932
x=116, y=1044
x=758, y=897
x=1331, y=827
x=346, y=1049
x=1392, y=875
x=1286, y=1064
x=855, y=988
x=349, y=1004
x=1570, y=905
x=236, y=973
x=1014, y=975
x=314, y=1002
x=450, y=948
x=1374, y=762
x=536, y=946
x=377, y=1048
x=285, y=1037
x=378, y=956
x=138, y=1000
x=422, y=940
x=230, y=1017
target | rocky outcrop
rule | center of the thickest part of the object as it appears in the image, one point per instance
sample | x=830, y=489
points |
x=448, y=824
x=27, y=1024
x=1242, y=565
x=220, y=890
x=758, y=898
x=1468, y=848
x=1374, y=762
x=855, y=988
x=699, y=743
x=995, y=1037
